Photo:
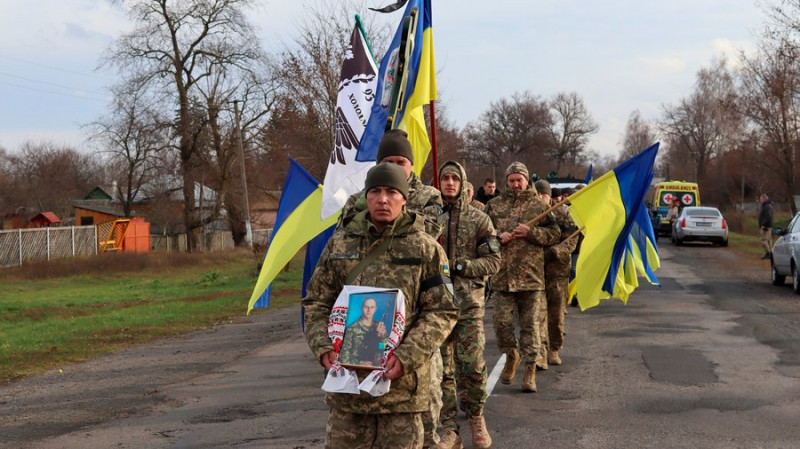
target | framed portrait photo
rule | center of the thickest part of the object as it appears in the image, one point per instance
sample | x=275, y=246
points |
x=370, y=316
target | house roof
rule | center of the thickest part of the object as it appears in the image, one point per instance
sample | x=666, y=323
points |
x=97, y=208
x=49, y=216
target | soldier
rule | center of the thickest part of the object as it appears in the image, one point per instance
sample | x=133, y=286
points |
x=471, y=244
x=384, y=246
x=471, y=196
x=395, y=148
x=557, y=261
x=519, y=285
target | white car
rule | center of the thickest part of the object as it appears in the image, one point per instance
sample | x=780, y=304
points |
x=700, y=224
x=786, y=254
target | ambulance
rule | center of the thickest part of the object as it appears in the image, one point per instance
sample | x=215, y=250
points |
x=664, y=194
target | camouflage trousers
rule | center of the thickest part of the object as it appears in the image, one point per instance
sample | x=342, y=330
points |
x=529, y=308
x=464, y=365
x=557, y=291
x=430, y=418
x=380, y=431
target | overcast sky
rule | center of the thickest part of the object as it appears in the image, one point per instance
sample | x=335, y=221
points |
x=619, y=55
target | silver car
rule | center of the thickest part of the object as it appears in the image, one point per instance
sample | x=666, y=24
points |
x=786, y=254
x=700, y=224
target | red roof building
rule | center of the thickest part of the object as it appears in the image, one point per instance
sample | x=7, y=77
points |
x=45, y=220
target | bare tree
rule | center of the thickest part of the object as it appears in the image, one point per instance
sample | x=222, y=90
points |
x=706, y=123
x=570, y=129
x=770, y=99
x=172, y=47
x=639, y=134
x=511, y=129
x=130, y=136
x=47, y=177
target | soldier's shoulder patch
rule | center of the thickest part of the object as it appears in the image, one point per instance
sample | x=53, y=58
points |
x=446, y=270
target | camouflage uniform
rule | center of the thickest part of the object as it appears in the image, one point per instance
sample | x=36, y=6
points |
x=477, y=205
x=422, y=199
x=471, y=243
x=413, y=263
x=557, y=261
x=426, y=201
x=362, y=345
x=519, y=285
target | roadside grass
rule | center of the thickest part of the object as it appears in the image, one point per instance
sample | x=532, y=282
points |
x=75, y=309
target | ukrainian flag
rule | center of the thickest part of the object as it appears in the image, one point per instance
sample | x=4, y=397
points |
x=296, y=223
x=419, y=89
x=617, y=243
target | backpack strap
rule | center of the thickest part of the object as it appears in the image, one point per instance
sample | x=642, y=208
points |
x=369, y=258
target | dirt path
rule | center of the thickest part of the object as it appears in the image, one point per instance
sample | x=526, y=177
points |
x=129, y=382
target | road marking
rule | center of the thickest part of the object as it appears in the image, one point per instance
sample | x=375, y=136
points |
x=492, y=380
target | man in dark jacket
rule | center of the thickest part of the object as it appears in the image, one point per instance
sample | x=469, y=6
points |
x=487, y=191
x=765, y=224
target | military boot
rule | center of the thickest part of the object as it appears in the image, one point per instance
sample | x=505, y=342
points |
x=450, y=440
x=529, y=379
x=553, y=358
x=510, y=368
x=480, y=436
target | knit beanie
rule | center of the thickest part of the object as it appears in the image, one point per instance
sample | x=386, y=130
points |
x=387, y=175
x=517, y=167
x=395, y=143
x=543, y=186
x=555, y=192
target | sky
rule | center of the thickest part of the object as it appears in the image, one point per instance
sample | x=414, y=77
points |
x=619, y=55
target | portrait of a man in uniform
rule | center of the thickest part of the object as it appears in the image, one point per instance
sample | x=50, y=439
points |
x=369, y=320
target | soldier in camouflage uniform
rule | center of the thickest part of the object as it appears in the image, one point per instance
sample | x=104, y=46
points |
x=519, y=285
x=424, y=200
x=414, y=263
x=557, y=261
x=365, y=337
x=471, y=244
x=471, y=197
x=395, y=148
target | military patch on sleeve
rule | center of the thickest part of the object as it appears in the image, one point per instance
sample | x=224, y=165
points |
x=446, y=270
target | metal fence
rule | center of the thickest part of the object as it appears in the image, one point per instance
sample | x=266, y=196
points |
x=19, y=246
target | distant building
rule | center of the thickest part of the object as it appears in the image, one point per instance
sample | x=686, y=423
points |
x=45, y=220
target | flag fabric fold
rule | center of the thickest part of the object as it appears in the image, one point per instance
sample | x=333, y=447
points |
x=296, y=223
x=357, y=82
x=417, y=86
x=617, y=242
x=588, y=175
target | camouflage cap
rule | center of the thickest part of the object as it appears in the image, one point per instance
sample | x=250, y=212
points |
x=395, y=143
x=387, y=175
x=517, y=167
x=450, y=169
x=543, y=186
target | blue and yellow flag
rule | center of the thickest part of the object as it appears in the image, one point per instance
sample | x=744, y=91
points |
x=417, y=87
x=616, y=241
x=296, y=223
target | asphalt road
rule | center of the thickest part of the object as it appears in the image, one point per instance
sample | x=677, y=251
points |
x=709, y=360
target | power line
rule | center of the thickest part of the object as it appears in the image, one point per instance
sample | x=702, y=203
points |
x=54, y=68
x=53, y=92
x=49, y=83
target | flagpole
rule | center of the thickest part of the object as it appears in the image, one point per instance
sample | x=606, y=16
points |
x=434, y=149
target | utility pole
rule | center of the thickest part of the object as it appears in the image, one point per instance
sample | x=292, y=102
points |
x=248, y=228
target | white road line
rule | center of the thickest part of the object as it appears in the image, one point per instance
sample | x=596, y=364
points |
x=492, y=380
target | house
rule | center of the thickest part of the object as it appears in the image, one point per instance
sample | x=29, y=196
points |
x=45, y=220
x=88, y=213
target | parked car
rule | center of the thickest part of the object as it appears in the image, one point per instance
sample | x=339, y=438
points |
x=700, y=224
x=786, y=254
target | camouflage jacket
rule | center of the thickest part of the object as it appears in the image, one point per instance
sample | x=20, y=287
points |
x=558, y=258
x=470, y=241
x=422, y=199
x=413, y=263
x=522, y=267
